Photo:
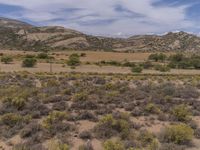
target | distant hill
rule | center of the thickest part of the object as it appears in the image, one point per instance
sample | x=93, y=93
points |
x=23, y=36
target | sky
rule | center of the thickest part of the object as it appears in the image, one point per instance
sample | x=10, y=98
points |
x=108, y=17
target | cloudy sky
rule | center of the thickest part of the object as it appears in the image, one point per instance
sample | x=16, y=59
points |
x=108, y=17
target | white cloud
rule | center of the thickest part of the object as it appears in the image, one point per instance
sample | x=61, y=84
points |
x=152, y=18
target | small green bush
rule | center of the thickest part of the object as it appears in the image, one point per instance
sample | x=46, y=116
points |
x=6, y=59
x=52, y=118
x=178, y=134
x=42, y=56
x=145, y=137
x=56, y=145
x=29, y=62
x=181, y=113
x=157, y=57
x=12, y=119
x=116, y=145
x=136, y=69
x=152, y=108
x=109, y=126
x=162, y=68
x=74, y=60
x=82, y=96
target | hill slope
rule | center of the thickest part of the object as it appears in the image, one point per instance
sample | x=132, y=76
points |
x=22, y=36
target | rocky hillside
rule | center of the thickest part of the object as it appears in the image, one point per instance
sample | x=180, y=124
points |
x=22, y=36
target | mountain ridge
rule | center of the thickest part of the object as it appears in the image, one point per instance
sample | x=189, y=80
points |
x=19, y=35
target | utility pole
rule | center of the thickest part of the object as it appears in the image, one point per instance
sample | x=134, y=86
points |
x=51, y=69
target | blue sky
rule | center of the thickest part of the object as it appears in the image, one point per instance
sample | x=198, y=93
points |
x=108, y=17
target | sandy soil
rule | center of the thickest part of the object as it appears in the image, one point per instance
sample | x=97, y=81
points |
x=57, y=68
x=91, y=56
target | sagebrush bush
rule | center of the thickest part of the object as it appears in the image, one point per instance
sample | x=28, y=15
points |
x=12, y=119
x=113, y=145
x=152, y=108
x=82, y=96
x=178, y=134
x=29, y=62
x=108, y=126
x=181, y=113
x=6, y=59
x=146, y=137
x=136, y=69
x=53, y=117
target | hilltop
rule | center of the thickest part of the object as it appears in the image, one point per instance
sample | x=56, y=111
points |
x=23, y=36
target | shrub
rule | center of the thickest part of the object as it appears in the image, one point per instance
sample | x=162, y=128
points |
x=157, y=57
x=152, y=108
x=171, y=146
x=42, y=56
x=177, y=57
x=57, y=145
x=29, y=62
x=128, y=64
x=162, y=68
x=116, y=145
x=74, y=60
x=145, y=137
x=154, y=145
x=197, y=133
x=136, y=69
x=195, y=63
x=12, y=119
x=6, y=59
x=109, y=126
x=178, y=134
x=181, y=113
x=18, y=102
x=82, y=96
x=53, y=117
x=83, y=54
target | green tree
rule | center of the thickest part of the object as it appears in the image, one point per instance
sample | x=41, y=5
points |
x=29, y=62
x=74, y=60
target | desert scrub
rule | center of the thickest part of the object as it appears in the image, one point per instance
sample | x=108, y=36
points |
x=54, y=117
x=74, y=60
x=181, y=113
x=136, y=69
x=109, y=126
x=113, y=145
x=146, y=138
x=11, y=119
x=17, y=102
x=152, y=108
x=82, y=96
x=178, y=134
x=57, y=145
x=6, y=59
x=29, y=62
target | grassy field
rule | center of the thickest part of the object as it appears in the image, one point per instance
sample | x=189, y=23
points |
x=88, y=63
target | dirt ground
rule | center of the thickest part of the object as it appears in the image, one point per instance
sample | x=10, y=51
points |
x=91, y=57
x=57, y=68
